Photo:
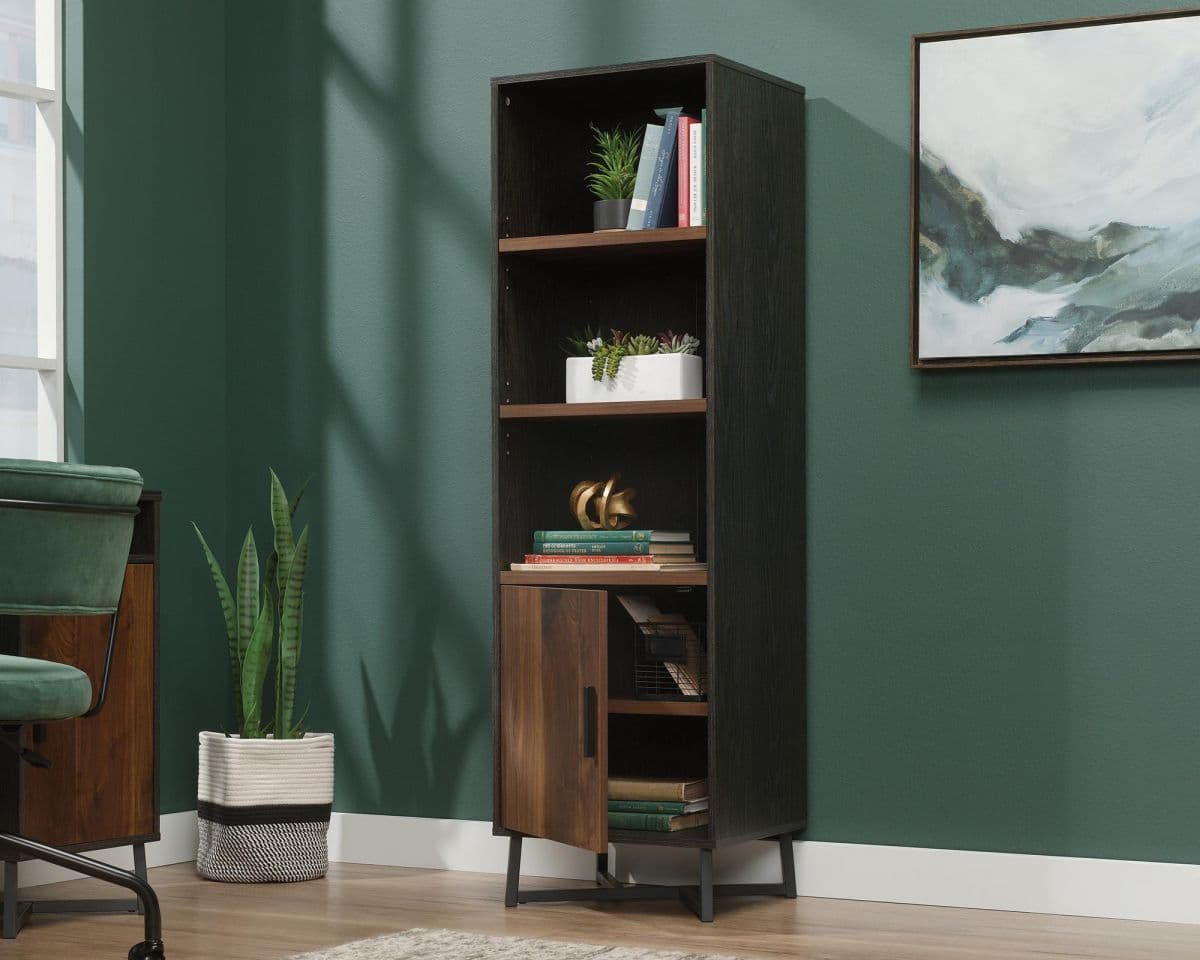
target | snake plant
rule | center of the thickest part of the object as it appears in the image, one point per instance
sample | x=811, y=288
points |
x=262, y=606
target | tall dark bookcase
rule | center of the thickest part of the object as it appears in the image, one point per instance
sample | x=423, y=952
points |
x=729, y=468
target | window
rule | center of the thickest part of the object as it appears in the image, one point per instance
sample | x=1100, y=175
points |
x=31, y=367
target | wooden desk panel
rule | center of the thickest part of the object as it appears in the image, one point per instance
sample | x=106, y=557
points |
x=101, y=789
x=100, y=786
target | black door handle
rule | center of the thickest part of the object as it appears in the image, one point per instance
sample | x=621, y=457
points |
x=590, y=707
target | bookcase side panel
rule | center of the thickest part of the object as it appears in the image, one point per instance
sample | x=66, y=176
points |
x=756, y=360
x=496, y=456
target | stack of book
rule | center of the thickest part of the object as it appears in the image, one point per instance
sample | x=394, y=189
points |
x=669, y=189
x=592, y=549
x=645, y=803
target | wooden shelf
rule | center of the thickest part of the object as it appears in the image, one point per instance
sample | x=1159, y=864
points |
x=670, y=240
x=641, y=408
x=603, y=578
x=695, y=837
x=660, y=708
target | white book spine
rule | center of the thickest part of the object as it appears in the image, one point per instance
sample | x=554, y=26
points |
x=695, y=175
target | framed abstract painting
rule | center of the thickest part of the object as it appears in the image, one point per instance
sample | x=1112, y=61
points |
x=1056, y=193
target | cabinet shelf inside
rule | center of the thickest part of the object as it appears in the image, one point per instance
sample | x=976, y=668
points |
x=616, y=409
x=695, y=837
x=659, y=708
x=609, y=243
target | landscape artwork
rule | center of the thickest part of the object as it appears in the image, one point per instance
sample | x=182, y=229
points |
x=1057, y=204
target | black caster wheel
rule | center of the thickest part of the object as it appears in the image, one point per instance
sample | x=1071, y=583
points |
x=147, y=950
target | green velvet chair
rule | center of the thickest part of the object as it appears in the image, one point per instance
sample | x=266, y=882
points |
x=65, y=531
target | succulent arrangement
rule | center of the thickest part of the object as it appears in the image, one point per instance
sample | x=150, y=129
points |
x=671, y=342
x=614, y=163
x=607, y=353
x=251, y=617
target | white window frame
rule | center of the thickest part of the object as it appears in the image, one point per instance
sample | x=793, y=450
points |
x=46, y=96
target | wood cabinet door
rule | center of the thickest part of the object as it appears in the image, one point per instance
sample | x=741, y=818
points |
x=553, y=714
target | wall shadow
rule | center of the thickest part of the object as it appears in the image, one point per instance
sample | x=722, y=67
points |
x=939, y=606
x=345, y=198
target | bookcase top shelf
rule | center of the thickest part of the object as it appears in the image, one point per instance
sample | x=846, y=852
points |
x=610, y=243
x=606, y=577
x=616, y=410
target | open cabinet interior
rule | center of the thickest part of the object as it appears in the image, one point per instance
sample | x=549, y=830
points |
x=543, y=300
x=541, y=461
x=543, y=138
x=658, y=691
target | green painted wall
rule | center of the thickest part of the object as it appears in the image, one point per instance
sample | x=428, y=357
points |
x=145, y=266
x=1002, y=636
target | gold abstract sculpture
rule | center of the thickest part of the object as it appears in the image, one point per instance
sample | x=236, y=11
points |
x=614, y=509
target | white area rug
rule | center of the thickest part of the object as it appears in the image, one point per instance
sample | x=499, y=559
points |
x=456, y=945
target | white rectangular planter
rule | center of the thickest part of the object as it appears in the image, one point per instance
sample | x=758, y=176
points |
x=660, y=376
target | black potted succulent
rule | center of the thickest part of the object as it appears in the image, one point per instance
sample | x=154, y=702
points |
x=614, y=171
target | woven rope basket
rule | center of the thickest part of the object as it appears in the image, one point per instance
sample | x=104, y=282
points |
x=264, y=808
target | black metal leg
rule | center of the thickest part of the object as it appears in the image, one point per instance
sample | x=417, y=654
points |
x=514, y=871
x=139, y=868
x=698, y=898
x=706, y=886
x=15, y=912
x=603, y=876
x=95, y=904
x=149, y=949
x=787, y=861
x=10, y=899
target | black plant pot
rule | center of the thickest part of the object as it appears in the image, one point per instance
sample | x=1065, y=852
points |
x=610, y=214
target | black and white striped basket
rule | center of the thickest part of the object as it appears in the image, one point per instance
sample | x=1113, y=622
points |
x=264, y=808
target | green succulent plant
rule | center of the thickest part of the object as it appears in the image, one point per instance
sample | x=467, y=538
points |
x=606, y=360
x=642, y=345
x=671, y=342
x=260, y=606
x=607, y=354
x=580, y=343
x=614, y=163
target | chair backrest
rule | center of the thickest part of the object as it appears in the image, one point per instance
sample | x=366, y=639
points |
x=65, y=531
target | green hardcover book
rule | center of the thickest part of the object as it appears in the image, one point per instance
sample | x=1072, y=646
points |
x=610, y=548
x=658, y=822
x=597, y=536
x=673, y=807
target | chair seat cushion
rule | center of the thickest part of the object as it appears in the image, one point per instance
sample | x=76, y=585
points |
x=33, y=691
x=69, y=483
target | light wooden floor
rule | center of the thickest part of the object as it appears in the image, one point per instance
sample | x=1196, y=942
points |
x=211, y=921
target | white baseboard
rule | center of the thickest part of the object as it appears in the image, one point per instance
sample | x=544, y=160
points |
x=449, y=845
x=1025, y=883
x=1118, y=889
x=178, y=845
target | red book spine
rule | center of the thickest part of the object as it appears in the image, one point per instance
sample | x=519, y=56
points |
x=585, y=558
x=683, y=156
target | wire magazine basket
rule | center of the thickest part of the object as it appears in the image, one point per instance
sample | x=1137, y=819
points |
x=670, y=660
